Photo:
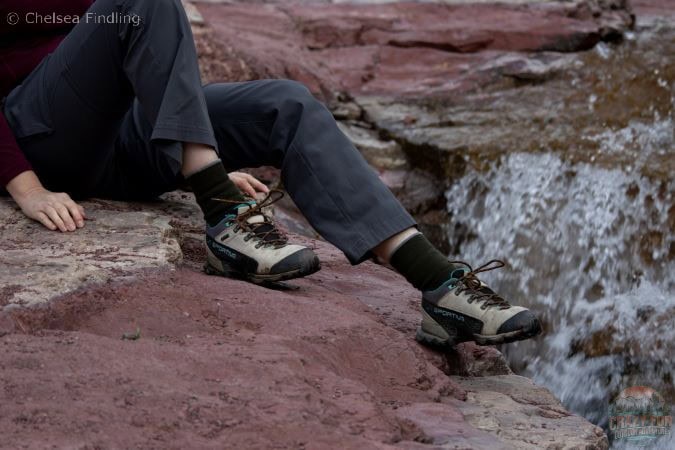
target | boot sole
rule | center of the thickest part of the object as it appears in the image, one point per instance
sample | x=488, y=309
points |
x=432, y=340
x=311, y=267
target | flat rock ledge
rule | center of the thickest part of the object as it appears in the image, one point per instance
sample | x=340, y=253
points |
x=116, y=242
x=217, y=363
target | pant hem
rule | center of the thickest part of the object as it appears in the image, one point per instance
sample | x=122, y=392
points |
x=197, y=136
x=362, y=249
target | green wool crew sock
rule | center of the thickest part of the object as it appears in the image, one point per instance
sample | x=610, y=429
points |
x=421, y=263
x=213, y=181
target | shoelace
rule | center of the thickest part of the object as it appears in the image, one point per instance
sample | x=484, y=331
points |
x=470, y=283
x=266, y=231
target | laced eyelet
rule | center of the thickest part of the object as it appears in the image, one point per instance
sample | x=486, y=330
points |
x=269, y=235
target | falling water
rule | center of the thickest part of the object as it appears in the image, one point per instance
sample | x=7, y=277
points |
x=589, y=234
x=592, y=251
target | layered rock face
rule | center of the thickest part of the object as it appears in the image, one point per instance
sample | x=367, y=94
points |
x=209, y=362
x=403, y=48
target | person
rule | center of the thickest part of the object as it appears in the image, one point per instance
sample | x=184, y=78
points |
x=104, y=99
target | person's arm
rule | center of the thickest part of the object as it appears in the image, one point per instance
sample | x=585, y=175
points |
x=12, y=160
x=53, y=210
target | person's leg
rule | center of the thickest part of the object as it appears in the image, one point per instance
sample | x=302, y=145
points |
x=279, y=123
x=245, y=240
x=196, y=157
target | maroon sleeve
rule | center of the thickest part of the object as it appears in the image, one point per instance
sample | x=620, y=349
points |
x=12, y=160
x=40, y=8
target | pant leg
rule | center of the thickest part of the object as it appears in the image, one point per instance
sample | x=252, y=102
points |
x=141, y=167
x=279, y=123
x=68, y=113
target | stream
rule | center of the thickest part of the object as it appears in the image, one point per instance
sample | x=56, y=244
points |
x=589, y=242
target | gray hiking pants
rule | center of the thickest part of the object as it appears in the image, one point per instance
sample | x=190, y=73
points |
x=105, y=115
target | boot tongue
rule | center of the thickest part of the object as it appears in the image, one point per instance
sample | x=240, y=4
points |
x=261, y=229
x=241, y=209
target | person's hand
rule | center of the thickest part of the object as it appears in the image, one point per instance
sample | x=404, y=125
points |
x=248, y=184
x=54, y=210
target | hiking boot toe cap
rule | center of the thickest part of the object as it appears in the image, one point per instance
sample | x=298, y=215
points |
x=304, y=261
x=524, y=321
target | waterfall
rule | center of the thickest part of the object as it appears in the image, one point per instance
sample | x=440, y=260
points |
x=591, y=249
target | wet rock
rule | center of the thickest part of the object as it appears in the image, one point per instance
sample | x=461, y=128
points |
x=633, y=339
x=644, y=313
x=599, y=343
x=528, y=68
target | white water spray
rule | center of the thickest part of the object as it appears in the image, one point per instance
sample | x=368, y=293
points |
x=592, y=251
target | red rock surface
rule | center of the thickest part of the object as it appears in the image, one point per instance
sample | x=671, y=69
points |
x=226, y=364
x=400, y=48
x=219, y=363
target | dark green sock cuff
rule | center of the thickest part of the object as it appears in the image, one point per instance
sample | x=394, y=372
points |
x=421, y=263
x=409, y=250
x=213, y=182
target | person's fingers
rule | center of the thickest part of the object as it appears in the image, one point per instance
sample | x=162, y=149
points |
x=82, y=212
x=236, y=180
x=75, y=213
x=64, y=213
x=54, y=216
x=247, y=188
x=247, y=183
x=257, y=184
x=44, y=220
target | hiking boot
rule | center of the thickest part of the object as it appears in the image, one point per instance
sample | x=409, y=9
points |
x=248, y=246
x=466, y=309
